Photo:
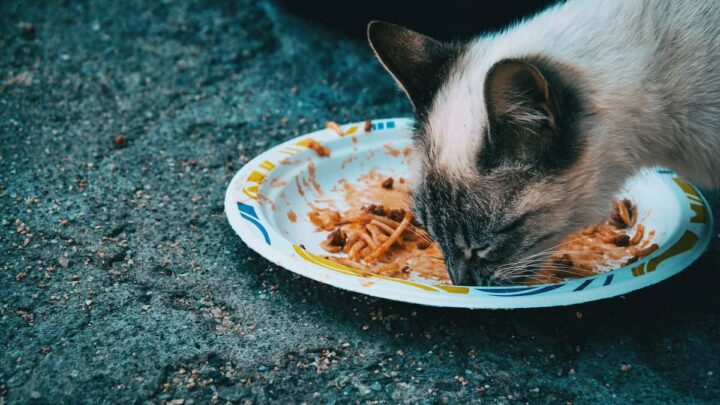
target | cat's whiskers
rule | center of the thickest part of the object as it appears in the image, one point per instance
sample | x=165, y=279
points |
x=570, y=271
x=543, y=259
x=527, y=268
x=414, y=230
x=546, y=259
x=549, y=252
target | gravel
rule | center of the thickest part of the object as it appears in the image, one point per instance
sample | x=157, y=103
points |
x=121, y=124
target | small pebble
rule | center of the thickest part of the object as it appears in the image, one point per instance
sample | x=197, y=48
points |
x=27, y=29
x=120, y=140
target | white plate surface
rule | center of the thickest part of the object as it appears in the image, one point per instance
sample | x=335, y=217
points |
x=262, y=193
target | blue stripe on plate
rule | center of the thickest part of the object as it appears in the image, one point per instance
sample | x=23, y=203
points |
x=584, y=284
x=259, y=226
x=533, y=292
x=248, y=213
x=608, y=280
x=247, y=209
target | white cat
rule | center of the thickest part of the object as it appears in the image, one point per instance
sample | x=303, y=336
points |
x=525, y=135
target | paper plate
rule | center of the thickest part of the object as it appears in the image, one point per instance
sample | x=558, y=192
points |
x=262, y=194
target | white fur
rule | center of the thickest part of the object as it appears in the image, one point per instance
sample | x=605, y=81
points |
x=455, y=124
x=644, y=89
x=459, y=115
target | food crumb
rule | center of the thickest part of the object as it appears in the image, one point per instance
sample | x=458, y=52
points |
x=388, y=183
x=320, y=149
x=368, y=126
x=649, y=250
x=292, y=217
x=334, y=126
x=392, y=151
x=622, y=240
x=120, y=140
x=277, y=183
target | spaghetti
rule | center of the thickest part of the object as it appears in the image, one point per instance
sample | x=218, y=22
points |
x=383, y=238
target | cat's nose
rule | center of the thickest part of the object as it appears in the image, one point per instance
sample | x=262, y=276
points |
x=459, y=274
x=479, y=272
x=467, y=268
x=462, y=278
x=481, y=279
x=469, y=273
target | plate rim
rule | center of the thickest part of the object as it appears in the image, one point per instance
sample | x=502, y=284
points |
x=249, y=226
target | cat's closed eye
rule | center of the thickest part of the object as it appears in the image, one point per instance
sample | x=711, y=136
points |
x=482, y=252
x=515, y=224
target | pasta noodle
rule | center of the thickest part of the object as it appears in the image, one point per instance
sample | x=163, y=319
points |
x=601, y=247
x=380, y=240
x=385, y=239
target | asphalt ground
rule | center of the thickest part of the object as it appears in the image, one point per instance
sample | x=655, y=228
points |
x=121, y=124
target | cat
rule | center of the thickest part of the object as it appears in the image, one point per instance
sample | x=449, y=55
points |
x=525, y=135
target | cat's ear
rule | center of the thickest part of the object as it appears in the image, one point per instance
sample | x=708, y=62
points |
x=531, y=114
x=417, y=62
x=517, y=92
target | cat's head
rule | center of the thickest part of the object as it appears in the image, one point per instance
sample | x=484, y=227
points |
x=504, y=171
